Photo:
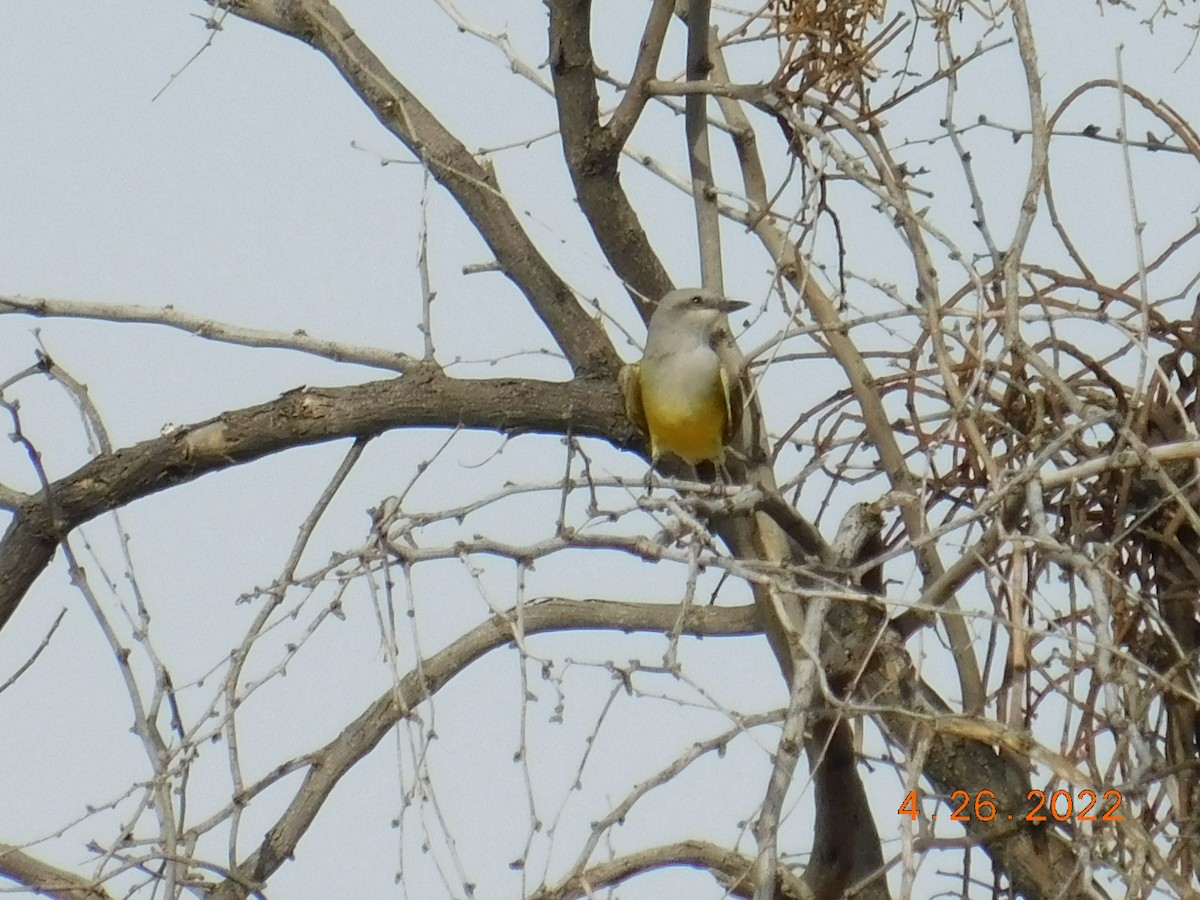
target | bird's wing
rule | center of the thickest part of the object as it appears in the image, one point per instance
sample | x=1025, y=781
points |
x=630, y=381
x=734, y=386
x=732, y=390
x=744, y=422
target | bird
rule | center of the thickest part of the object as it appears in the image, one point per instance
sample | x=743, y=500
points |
x=688, y=391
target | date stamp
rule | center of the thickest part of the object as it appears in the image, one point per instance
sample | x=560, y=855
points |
x=1061, y=806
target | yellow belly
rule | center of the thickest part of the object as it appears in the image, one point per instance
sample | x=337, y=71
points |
x=692, y=428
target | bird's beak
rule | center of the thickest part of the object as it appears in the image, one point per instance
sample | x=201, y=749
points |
x=727, y=306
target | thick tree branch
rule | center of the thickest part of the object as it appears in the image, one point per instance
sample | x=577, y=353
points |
x=473, y=185
x=426, y=398
x=592, y=151
x=859, y=648
x=333, y=760
x=731, y=869
x=846, y=845
x=44, y=879
x=862, y=651
x=843, y=349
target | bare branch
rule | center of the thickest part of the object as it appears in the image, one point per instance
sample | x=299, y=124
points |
x=704, y=192
x=209, y=329
x=360, y=736
x=45, y=879
x=303, y=416
x=474, y=186
x=731, y=869
x=592, y=151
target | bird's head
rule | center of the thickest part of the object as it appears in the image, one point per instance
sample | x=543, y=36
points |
x=698, y=306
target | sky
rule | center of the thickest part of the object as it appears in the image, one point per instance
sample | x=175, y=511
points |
x=249, y=185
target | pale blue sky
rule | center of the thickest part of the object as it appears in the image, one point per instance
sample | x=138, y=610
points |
x=237, y=195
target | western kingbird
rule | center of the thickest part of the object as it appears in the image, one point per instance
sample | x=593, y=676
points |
x=687, y=392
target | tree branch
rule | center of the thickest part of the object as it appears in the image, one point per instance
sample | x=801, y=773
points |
x=209, y=329
x=862, y=380
x=731, y=869
x=426, y=398
x=704, y=188
x=45, y=879
x=332, y=761
x=862, y=651
x=592, y=151
x=629, y=110
x=474, y=186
